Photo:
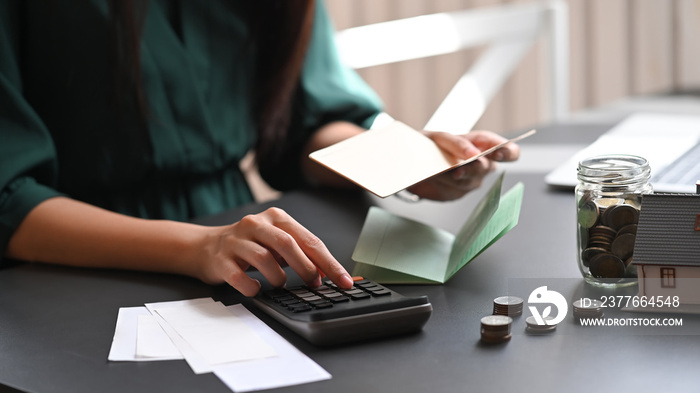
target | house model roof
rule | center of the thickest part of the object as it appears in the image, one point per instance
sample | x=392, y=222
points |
x=669, y=230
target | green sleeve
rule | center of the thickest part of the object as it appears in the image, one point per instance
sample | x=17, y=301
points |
x=329, y=91
x=27, y=154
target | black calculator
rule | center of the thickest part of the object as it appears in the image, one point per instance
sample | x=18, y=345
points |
x=329, y=315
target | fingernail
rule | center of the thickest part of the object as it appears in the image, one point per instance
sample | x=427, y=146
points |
x=345, y=281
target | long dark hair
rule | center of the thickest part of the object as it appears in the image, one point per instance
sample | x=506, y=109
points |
x=280, y=29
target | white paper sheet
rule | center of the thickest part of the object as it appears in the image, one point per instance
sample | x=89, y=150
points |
x=290, y=367
x=216, y=334
x=151, y=340
x=196, y=361
x=125, y=337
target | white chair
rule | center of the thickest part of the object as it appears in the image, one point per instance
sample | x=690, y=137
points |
x=509, y=31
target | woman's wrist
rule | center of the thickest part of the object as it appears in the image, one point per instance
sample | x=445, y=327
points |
x=326, y=136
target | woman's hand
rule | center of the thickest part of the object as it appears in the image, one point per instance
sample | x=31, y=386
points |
x=459, y=181
x=267, y=241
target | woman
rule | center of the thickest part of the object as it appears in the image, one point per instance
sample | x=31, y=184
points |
x=121, y=120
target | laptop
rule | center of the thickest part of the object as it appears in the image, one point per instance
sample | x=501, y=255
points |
x=671, y=144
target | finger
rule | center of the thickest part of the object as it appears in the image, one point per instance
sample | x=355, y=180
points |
x=455, y=183
x=312, y=254
x=484, y=140
x=320, y=256
x=456, y=145
x=278, y=258
x=285, y=244
x=464, y=179
x=262, y=259
x=445, y=188
x=262, y=229
x=460, y=186
x=236, y=277
x=509, y=152
x=477, y=168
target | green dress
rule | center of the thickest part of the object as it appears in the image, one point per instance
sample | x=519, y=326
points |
x=58, y=136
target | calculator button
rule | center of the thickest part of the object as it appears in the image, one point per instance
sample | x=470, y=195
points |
x=380, y=292
x=313, y=298
x=359, y=296
x=340, y=299
x=276, y=293
x=330, y=284
x=301, y=307
x=353, y=292
x=323, y=305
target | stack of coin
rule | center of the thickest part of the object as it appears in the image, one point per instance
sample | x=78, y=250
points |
x=588, y=309
x=608, y=230
x=495, y=329
x=508, y=305
x=535, y=328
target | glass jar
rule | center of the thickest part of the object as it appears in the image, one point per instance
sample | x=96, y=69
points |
x=608, y=200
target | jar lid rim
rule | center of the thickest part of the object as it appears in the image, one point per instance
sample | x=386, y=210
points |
x=613, y=161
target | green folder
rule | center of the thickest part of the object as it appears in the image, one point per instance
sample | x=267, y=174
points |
x=397, y=250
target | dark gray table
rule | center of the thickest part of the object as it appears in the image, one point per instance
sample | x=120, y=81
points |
x=56, y=323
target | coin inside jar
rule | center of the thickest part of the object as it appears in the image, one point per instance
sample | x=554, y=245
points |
x=623, y=245
x=601, y=237
x=619, y=216
x=588, y=214
x=607, y=202
x=607, y=266
x=614, y=233
x=630, y=228
x=589, y=253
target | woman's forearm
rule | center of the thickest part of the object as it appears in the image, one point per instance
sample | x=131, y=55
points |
x=325, y=136
x=69, y=232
